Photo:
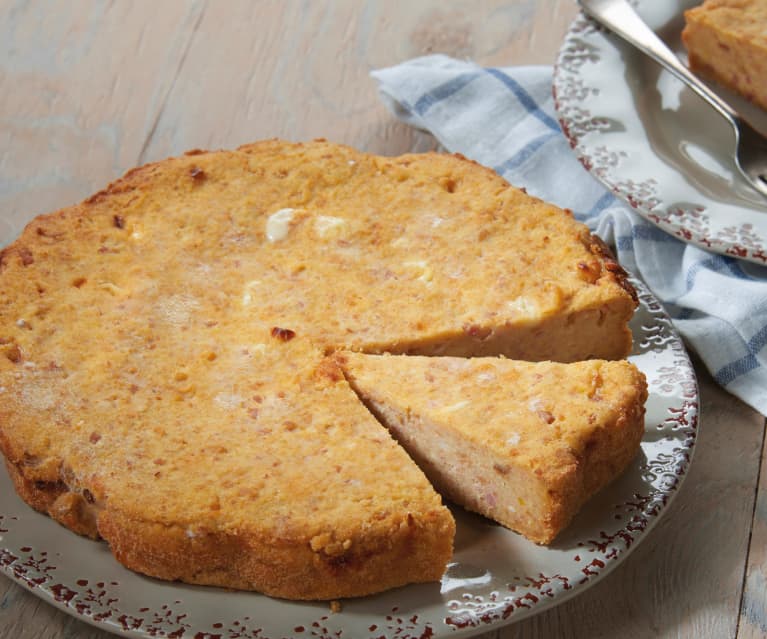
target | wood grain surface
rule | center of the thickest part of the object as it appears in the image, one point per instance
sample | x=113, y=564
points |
x=89, y=89
x=753, y=620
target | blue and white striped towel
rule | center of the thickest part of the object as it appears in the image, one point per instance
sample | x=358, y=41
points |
x=504, y=118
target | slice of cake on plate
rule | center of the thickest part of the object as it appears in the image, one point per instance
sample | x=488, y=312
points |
x=525, y=444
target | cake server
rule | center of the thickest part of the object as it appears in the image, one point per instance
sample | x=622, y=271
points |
x=750, y=150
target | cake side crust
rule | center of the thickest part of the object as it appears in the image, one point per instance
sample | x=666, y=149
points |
x=415, y=550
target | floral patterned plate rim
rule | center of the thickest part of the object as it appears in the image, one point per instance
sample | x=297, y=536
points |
x=496, y=577
x=652, y=141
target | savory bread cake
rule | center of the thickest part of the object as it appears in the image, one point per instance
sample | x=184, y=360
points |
x=727, y=40
x=162, y=375
x=525, y=444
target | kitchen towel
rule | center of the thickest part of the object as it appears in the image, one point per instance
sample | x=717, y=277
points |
x=504, y=118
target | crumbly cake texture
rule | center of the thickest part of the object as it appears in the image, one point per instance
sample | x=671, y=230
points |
x=525, y=444
x=164, y=373
x=727, y=41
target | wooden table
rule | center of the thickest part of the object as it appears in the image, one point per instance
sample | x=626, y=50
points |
x=90, y=89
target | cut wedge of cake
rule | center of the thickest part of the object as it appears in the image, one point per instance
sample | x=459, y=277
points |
x=525, y=444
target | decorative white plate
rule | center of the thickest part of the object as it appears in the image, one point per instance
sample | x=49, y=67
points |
x=653, y=142
x=497, y=577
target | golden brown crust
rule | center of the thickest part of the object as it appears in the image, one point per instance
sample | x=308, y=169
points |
x=53, y=497
x=289, y=569
x=610, y=265
x=283, y=568
x=37, y=493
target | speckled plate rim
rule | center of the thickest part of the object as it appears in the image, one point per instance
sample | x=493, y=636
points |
x=602, y=90
x=496, y=577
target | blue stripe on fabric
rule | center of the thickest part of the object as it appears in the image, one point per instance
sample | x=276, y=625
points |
x=600, y=205
x=644, y=233
x=443, y=91
x=521, y=156
x=525, y=99
x=652, y=234
x=733, y=266
x=624, y=243
x=745, y=364
x=716, y=263
x=737, y=270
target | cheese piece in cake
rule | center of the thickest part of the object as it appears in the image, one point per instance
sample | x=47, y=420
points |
x=727, y=40
x=525, y=444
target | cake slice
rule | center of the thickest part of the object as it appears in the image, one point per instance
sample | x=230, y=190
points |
x=727, y=41
x=525, y=444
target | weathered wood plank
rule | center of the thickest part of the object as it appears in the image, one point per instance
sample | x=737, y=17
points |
x=753, y=611
x=82, y=85
x=307, y=74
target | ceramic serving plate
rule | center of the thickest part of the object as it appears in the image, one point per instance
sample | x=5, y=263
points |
x=653, y=142
x=496, y=577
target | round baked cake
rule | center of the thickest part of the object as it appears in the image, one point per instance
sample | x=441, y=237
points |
x=167, y=379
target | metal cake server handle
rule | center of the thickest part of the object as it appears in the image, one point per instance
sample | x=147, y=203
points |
x=750, y=146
